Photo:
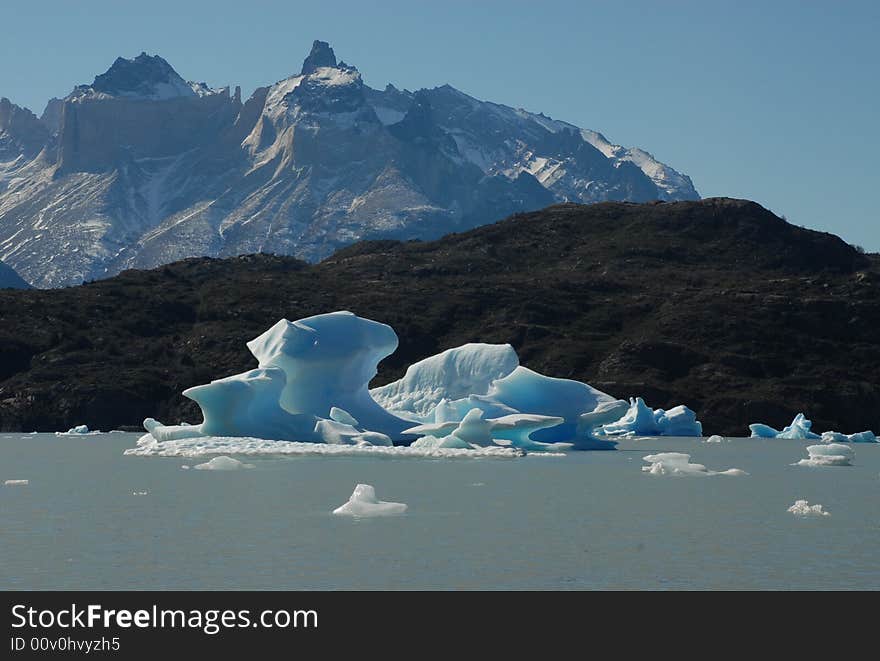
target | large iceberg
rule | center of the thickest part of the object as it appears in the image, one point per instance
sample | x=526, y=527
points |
x=311, y=386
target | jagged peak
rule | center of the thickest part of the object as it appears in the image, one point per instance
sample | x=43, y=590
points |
x=145, y=76
x=321, y=55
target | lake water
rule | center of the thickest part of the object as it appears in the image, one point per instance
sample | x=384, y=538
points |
x=92, y=518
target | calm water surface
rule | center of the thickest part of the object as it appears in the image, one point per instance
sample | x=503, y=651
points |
x=587, y=520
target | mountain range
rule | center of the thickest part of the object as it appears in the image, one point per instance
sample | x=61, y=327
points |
x=717, y=304
x=142, y=168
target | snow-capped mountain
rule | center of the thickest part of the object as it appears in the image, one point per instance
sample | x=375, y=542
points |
x=142, y=168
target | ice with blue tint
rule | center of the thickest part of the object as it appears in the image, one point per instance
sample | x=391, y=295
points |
x=828, y=454
x=641, y=420
x=311, y=385
x=798, y=429
x=859, y=437
x=473, y=430
x=454, y=374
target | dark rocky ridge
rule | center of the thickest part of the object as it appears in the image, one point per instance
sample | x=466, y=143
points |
x=718, y=304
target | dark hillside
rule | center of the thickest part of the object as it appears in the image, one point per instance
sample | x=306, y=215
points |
x=718, y=304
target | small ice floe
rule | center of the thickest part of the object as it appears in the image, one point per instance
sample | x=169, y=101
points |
x=79, y=430
x=715, y=438
x=139, y=493
x=798, y=429
x=148, y=446
x=16, y=483
x=222, y=463
x=363, y=503
x=803, y=508
x=837, y=437
x=830, y=454
x=678, y=463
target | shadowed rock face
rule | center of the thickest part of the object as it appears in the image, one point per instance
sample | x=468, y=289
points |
x=321, y=55
x=21, y=133
x=141, y=168
x=717, y=304
x=9, y=279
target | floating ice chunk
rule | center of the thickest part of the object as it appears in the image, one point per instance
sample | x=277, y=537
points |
x=760, y=430
x=715, y=438
x=837, y=437
x=803, y=508
x=363, y=503
x=678, y=463
x=16, y=483
x=451, y=375
x=798, y=429
x=677, y=421
x=831, y=454
x=222, y=463
x=79, y=430
x=147, y=446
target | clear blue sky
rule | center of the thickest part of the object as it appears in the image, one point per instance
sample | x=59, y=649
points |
x=772, y=101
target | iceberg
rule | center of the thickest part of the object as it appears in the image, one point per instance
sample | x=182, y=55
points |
x=715, y=438
x=364, y=503
x=311, y=386
x=679, y=464
x=830, y=454
x=640, y=420
x=451, y=375
x=859, y=437
x=803, y=508
x=798, y=429
x=78, y=430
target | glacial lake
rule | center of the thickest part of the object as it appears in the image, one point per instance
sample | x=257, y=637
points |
x=92, y=518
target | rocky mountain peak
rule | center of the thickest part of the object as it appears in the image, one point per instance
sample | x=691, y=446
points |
x=321, y=55
x=148, y=76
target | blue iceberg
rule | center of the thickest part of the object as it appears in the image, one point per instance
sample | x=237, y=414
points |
x=641, y=420
x=312, y=385
x=798, y=429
